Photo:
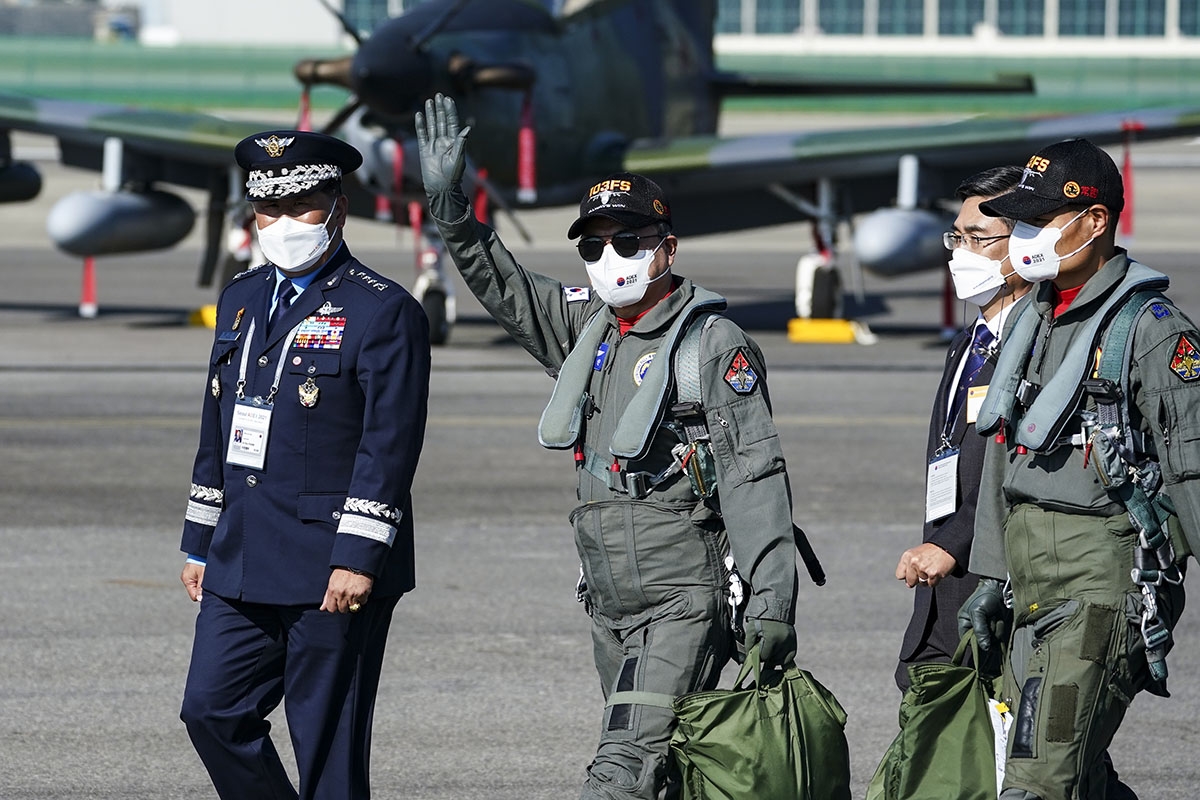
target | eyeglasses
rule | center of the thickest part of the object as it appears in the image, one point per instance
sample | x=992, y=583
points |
x=954, y=240
x=626, y=243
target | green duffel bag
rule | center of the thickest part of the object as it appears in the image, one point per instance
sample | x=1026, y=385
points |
x=951, y=735
x=782, y=738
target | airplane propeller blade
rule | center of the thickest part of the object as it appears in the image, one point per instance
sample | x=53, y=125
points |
x=346, y=26
x=494, y=196
x=471, y=75
x=344, y=113
x=336, y=71
x=424, y=36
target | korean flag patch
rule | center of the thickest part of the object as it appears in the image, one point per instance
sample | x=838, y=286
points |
x=576, y=294
x=740, y=375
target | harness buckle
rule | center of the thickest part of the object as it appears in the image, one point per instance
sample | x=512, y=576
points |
x=637, y=484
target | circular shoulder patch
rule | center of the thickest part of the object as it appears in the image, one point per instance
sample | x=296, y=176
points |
x=639, y=369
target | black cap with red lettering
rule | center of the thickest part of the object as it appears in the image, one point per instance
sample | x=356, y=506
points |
x=632, y=200
x=1073, y=172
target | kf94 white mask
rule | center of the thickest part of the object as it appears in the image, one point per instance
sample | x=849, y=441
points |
x=619, y=281
x=294, y=246
x=1031, y=250
x=977, y=278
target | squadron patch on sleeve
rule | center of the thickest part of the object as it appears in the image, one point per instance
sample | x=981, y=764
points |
x=740, y=375
x=575, y=294
x=1160, y=311
x=1186, y=362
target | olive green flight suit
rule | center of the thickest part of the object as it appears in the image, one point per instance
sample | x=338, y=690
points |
x=654, y=567
x=1077, y=657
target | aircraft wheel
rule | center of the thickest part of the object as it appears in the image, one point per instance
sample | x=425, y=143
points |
x=826, y=293
x=434, y=303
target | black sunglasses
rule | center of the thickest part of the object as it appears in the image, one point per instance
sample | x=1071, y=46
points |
x=626, y=243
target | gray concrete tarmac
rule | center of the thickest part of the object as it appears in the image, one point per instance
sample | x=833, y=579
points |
x=488, y=689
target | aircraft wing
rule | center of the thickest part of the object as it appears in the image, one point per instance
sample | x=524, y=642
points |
x=725, y=183
x=175, y=147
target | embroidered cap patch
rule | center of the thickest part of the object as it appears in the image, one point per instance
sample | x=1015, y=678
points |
x=1186, y=362
x=740, y=375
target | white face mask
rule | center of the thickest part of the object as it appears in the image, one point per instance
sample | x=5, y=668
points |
x=294, y=246
x=1031, y=250
x=621, y=282
x=977, y=278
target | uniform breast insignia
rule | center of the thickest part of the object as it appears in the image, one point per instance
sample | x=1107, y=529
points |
x=740, y=375
x=576, y=294
x=320, y=333
x=639, y=369
x=309, y=392
x=327, y=309
x=237, y=319
x=216, y=386
x=1160, y=311
x=1186, y=363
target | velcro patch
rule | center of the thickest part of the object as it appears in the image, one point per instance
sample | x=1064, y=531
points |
x=575, y=294
x=1160, y=311
x=740, y=375
x=1186, y=362
x=320, y=333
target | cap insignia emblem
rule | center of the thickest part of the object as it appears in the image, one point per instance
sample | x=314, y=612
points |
x=1071, y=189
x=274, y=145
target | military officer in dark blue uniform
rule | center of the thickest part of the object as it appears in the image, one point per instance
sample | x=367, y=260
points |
x=299, y=532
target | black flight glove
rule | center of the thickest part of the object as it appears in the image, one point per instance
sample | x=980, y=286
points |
x=778, y=641
x=440, y=145
x=986, y=612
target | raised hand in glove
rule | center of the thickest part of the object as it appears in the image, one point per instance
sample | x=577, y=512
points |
x=986, y=612
x=440, y=145
x=778, y=641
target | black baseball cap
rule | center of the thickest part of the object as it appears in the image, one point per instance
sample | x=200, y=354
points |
x=292, y=163
x=632, y=200
x=1071, y=172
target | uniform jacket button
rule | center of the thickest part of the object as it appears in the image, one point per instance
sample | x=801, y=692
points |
x=337, y=515
x=263, y=361
x=252, y=480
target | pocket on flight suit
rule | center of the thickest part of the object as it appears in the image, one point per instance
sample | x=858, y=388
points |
x=746, y=440
x=1182, y=434
x=1069, y=704
x=637, y=554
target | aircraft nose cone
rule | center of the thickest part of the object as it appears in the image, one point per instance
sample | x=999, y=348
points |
x=392, y=81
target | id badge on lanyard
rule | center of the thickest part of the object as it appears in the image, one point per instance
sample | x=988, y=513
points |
x=941, y=485
x=248, y=433
x=251, y=424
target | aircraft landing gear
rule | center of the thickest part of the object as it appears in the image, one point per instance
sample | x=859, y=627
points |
x=433, y=291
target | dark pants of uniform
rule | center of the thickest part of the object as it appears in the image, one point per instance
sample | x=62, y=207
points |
x=246, y=657
x=1076, y=658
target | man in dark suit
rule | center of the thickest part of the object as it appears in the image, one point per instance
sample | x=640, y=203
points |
x=299, y=532
x=936, y=568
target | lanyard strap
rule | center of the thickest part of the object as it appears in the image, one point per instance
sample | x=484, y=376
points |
x=241, y=384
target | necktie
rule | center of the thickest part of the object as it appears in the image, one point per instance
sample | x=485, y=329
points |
x=976, y=356
x=285, y=294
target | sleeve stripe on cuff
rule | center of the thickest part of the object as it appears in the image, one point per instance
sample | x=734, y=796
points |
x=367, y=527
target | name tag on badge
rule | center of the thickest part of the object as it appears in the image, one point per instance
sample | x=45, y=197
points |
x=248, y=434
x=941, y=486
x=975, y=395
